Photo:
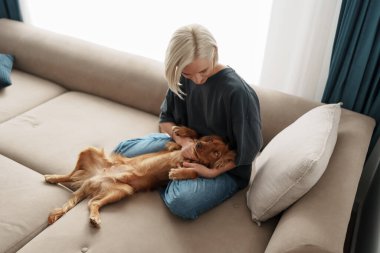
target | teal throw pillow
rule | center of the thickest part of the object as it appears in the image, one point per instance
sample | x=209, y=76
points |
x=6, y=64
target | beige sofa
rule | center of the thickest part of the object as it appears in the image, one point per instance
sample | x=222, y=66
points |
x=68, y=94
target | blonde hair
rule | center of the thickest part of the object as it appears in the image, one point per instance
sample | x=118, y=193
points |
x=187, y=43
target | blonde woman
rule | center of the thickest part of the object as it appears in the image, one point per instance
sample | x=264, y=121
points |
x=210, y=98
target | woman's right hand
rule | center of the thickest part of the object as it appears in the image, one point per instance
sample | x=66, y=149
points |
x=186, y=143
x=187, y=149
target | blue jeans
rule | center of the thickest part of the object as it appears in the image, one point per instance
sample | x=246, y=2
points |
x=184, y=198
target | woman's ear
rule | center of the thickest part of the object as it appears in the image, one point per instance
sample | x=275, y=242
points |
x=229, y=156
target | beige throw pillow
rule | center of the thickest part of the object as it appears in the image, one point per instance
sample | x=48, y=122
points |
x=293, y=161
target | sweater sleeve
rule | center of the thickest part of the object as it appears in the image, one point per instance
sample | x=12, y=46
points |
x=246, y=125
x=167, y=106
x=173, y=109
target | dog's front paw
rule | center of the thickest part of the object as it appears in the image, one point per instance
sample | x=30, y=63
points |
x=184, y=132
x=182, y=173
x=174, y=174
x=171, y=146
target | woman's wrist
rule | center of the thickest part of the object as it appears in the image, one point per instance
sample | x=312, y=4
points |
x=166, y=127
x=183, y=141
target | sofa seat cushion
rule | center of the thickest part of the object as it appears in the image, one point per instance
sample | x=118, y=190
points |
x=49, y=137
x=25, y=201
x=143, y=224
x=26, y=92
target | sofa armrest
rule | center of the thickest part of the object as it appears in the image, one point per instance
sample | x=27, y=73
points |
x=318, y=221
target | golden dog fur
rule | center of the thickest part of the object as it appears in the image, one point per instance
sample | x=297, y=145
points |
x=109, y=179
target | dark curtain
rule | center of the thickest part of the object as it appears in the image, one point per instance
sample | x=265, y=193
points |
x=355, y=66
x=10, y=9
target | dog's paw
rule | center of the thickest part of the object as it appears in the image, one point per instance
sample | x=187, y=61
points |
x=52, y=219
x=171, y=146
x=173, y=174
x=55, y=215
x=95, y=221
x=184, y=132
x=182, y=173
x=177, y=174
x=50, y=179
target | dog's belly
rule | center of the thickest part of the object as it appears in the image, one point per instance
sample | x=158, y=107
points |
x=139, y=183
x=145, y=172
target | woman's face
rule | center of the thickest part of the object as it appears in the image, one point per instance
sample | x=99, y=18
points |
x=199, y=70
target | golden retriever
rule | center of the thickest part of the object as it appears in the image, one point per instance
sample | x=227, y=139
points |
x=109, y=179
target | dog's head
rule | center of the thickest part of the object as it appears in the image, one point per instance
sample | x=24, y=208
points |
x=213, y=152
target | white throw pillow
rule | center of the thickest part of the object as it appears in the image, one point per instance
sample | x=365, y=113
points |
x=293, y=161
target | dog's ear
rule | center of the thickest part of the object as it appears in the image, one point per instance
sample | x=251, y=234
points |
x=229, y=156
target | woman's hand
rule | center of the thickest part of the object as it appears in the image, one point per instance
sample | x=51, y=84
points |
x=187, y=149
x=186, y=143
x=206, y=172
x=202, y=170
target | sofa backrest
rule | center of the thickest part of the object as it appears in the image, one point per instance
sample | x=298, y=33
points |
x=82, y=66
x=119, y=76
x=279, y=110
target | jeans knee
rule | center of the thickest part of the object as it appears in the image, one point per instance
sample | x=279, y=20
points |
x=181, y=206
x=190, y=198
x=178, y=208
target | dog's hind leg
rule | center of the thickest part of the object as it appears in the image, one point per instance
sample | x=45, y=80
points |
x=89, y=162
x=55, y=179
x=77, y=196
x=112, y=194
